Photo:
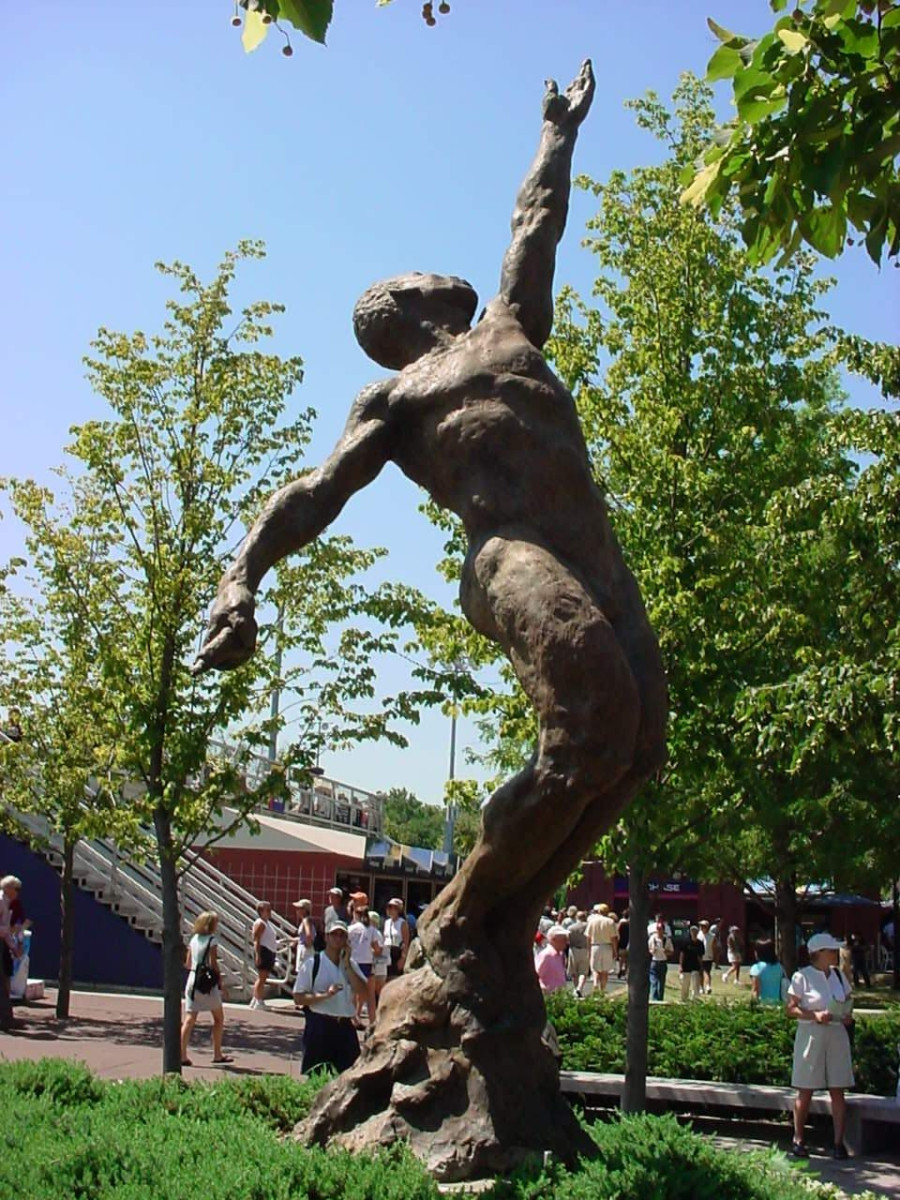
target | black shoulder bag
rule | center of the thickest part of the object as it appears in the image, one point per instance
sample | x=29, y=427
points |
x=205, y=977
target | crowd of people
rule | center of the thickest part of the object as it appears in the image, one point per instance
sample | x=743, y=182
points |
x=581, y=950
x=340, y=963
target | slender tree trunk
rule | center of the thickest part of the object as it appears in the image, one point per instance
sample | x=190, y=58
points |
x=634, y=1093
x=67, y=929
x=786, y=910
x=173, y=946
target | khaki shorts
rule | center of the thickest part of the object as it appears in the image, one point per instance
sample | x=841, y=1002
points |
x=822, y=1056
x=578, y=961
x=602, y=957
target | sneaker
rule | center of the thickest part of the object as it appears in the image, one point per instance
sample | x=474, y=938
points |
x=724, y=976
x=577, y=994
x=799, y=1150
x=254, y=1003
x=840, y=1152
x=261, y=1004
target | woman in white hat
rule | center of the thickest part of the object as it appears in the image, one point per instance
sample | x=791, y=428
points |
x=395, y=935
x=820, y=1001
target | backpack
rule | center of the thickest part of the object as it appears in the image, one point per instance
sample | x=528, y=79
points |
x=205, y=977
x=318, y=944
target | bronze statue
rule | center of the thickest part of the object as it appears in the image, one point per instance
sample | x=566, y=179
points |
x=475, y=415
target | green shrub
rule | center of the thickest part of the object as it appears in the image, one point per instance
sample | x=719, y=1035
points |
x=70, y=1135
x=655, y=1158
x=729, y=1043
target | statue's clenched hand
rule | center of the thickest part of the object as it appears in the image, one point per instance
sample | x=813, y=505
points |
x=570, y=108
x=231, y=633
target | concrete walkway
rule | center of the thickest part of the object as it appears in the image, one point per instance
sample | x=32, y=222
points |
x=120, y=1036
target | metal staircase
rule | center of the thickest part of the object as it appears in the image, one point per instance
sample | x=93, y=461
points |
x=132, y=888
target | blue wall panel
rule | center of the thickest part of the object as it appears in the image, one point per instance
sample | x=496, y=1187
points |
x=107, y=949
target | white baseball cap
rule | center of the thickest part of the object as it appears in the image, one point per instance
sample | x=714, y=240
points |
x=823, y=941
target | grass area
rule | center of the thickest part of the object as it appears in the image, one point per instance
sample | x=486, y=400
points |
x=71, y=1135
x=880, y=996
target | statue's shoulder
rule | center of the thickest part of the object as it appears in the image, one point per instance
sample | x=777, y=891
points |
x=373, y=401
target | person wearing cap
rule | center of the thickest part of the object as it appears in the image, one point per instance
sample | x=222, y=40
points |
x=365, y=943
x=820, y=1000
x=603, y=939
x=395, y=936
x=358, y=900
x=336, y=909
x=550, y=963
x=325, y=988
x=305, y=941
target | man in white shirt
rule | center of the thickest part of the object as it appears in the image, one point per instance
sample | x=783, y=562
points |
x=325, y=987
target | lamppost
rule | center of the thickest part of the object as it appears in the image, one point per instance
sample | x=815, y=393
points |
x=450, y=823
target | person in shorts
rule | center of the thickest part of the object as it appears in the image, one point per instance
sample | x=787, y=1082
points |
x=602, y=936
x=265, y=951
x=820, y=1000
x=325, y=988
x=203, y=951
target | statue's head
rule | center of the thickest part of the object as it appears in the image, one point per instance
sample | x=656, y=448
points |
x=392, y=320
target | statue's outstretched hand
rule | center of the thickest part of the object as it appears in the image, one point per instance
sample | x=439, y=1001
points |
x=231, y=633
x=570, y=108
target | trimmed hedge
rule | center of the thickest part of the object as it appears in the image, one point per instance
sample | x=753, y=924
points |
x=729, y=1043
x=67, y=1134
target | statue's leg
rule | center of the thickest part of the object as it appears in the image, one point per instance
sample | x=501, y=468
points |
x=456, y=1065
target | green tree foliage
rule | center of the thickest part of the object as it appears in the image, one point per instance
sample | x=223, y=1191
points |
x=812, y=153
x=408, y=821
x=311, y=17
x=708, y=393
x=122, y=569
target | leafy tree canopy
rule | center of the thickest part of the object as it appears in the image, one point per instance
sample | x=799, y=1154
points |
x=812, y=153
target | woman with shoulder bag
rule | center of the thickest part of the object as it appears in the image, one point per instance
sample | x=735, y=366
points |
x=395, y=935
x=820, y=999
x=203, y=991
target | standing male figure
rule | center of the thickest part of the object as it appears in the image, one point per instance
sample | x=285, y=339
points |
x=336, y=909
x=326, y=986
x=603, y=940
x=475, y=416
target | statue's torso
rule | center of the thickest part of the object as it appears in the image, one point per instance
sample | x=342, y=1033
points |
x=486, y=427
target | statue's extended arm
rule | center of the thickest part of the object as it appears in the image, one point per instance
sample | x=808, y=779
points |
x=292, y=517
x=526, y=280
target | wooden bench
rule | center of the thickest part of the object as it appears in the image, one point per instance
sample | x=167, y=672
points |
x=870, y=1119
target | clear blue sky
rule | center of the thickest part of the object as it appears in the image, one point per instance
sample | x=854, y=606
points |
x=141, y=131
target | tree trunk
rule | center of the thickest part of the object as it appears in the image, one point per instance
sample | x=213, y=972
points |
x=634, y=1093
x=456, y=1066
x=173, y=946
x=66, y=929
x=786, y=911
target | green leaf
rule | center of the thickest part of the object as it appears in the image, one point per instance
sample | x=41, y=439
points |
x=723, y=64
x=254, y=32
x=825, y=230
x=311, y=17
x=734, y=40
x=794, y=40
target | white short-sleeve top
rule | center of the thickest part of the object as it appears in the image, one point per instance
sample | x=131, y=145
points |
x=820, y=991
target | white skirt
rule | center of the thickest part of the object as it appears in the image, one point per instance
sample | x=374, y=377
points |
x=822, y=1057
x=201, y=1001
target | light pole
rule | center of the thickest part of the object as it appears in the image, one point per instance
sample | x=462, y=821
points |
x=451, y=775
x=275, y=705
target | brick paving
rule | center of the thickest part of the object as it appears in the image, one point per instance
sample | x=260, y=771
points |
x=120, y=1036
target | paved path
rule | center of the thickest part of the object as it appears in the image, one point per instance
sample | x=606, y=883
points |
x=120, y=1036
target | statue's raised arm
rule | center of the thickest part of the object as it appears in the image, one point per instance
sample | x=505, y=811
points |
x=539, y=218
x=295, y=515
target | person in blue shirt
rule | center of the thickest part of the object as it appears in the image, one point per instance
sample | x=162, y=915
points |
x=766, y=974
